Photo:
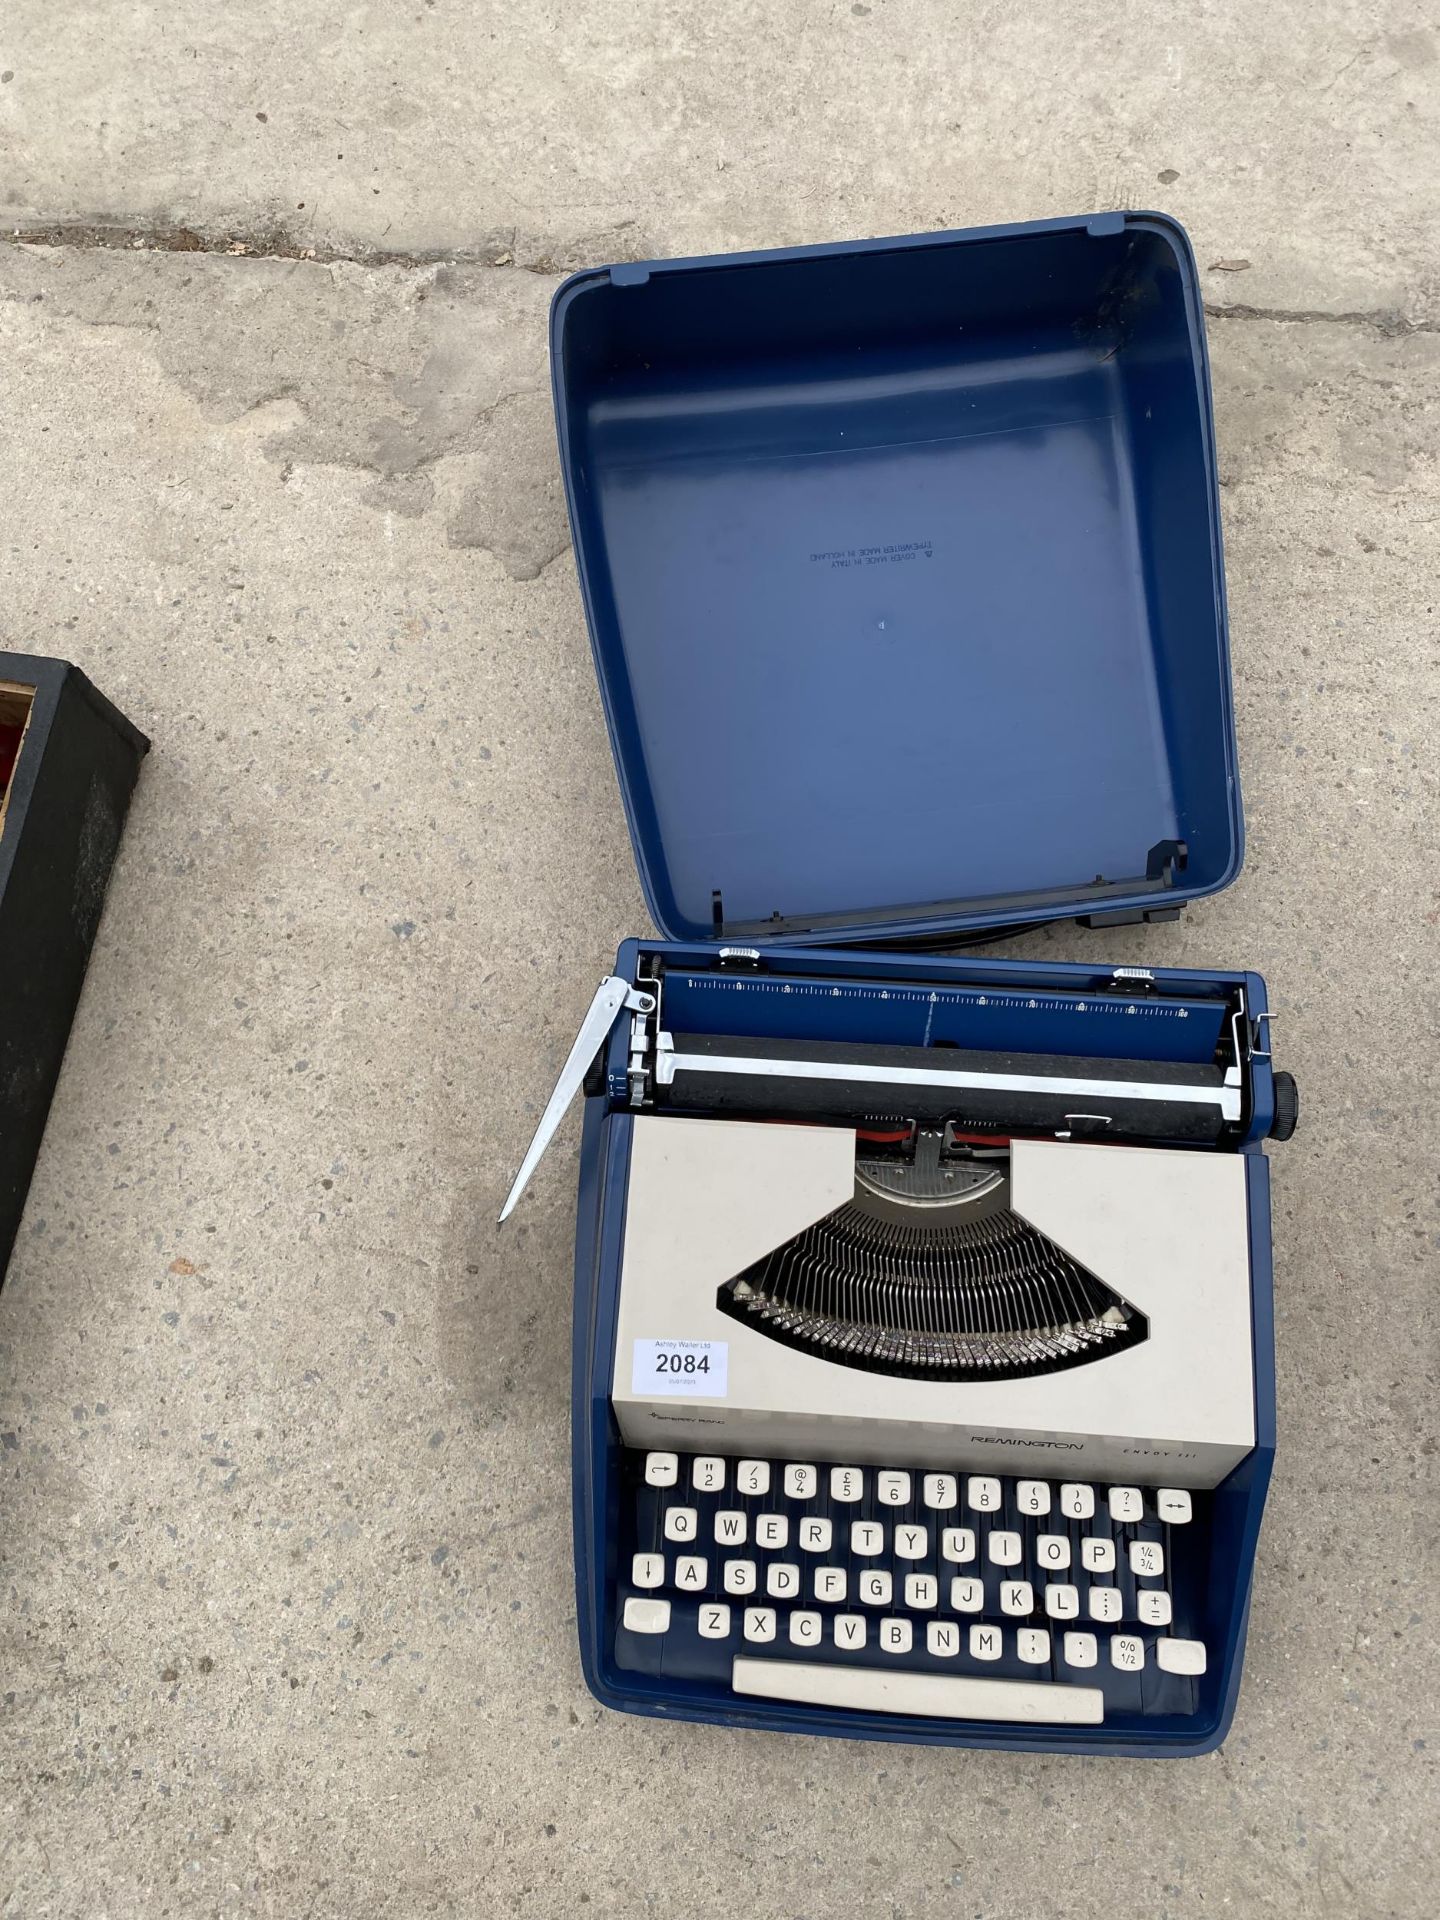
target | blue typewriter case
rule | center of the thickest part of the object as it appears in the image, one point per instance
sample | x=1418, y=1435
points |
x=902, y=564
x=902, y=568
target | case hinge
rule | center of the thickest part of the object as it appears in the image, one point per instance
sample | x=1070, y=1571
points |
x=1132, y=917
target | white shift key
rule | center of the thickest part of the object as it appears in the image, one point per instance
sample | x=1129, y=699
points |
x=938, y=1696
x=1180, y=1656
x=647, y=1616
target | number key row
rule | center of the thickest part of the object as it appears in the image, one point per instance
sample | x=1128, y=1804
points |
x=894, y=1487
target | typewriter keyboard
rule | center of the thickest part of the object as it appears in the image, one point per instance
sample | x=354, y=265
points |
x=958, y=1595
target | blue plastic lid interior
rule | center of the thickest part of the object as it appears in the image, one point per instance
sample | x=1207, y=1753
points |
x=902, y=566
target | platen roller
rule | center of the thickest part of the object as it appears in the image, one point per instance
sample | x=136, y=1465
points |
x=1002, y=1093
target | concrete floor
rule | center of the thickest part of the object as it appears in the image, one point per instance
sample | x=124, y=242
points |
x=284, y=1501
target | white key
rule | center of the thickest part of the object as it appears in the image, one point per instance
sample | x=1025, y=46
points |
x=1052, y=1552
x=738, y=1576
x=662, y=1469
x=1062, y=1602
x=752, y=1477
x=892, y=1489
x=911, y=1543
x=982, y=1493
x=1081, y=1650
x=876, y=1587
x=986, y=1643
x=1105, y=1604
x=940, y=1491
x=1004, y=1549
x=896, y=1636
x=1077, y=1501
x=850, y=1630
x=707, y=1474
x=847, y=1484
x=1033, y=1496
x=681, y=1523
x=867, y=1537
x=1127, y=1505
x=782, y=1580
x=772, y=1530
x=1032, y=1644
x=1147, y=1559
x=1173, y=1505
x=1180, y=1656
x=731, y=1528
x=939, y=1696
x=957, y=1544
x=831, y=1583
x=1153, y=1609
x=1017, y=1596
x=942, y=1639
x=1097, y=1556
x=922, y=1590
x=690, y=1571
x=647, y=1616
x=1127, y=1652
x=759, y=1623
x=800, y=1483
x=816, y=1535
x=648, y=1570
x=967, y=1595
x=714, y=1620
x=806, y=1629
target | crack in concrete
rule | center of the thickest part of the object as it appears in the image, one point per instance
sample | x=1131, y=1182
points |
x=502, y=247
x=1387, y=320
x=271, y=243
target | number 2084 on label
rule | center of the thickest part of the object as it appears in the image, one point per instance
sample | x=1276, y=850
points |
x=696, y=1368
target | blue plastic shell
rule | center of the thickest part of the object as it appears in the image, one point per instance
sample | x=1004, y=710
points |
x=903, y=572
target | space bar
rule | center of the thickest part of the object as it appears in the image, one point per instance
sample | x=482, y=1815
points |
x=943, y=1696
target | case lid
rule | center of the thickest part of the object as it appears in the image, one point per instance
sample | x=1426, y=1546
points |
x=902, y=566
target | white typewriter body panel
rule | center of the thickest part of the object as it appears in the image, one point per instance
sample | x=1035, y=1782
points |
x=1166, y=1229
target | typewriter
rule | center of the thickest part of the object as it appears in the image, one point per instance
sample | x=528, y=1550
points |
x=923, y=1375
x=923, y=1385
